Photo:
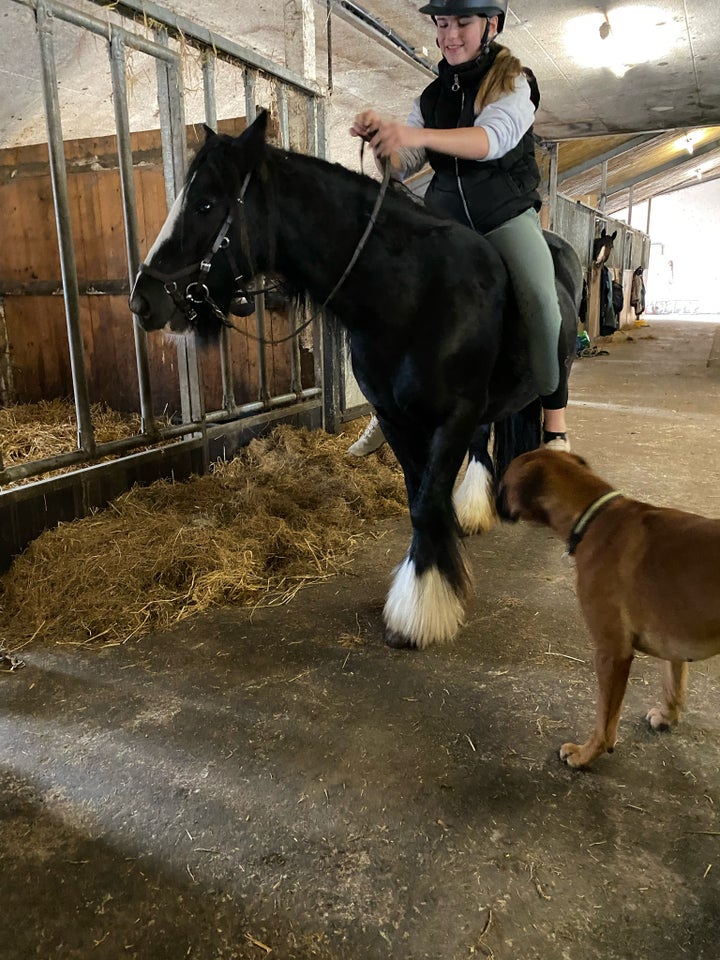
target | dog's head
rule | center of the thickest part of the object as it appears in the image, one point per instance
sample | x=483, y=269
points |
x=536, y=483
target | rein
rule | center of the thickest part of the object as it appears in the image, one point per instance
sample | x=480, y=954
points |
x=197, y=292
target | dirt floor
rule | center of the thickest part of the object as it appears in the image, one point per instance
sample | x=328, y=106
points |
x=281, y=784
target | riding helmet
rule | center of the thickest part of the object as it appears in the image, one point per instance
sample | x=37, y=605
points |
x=466, y=8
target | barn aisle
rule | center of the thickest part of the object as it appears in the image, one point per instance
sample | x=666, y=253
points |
x=279, y=784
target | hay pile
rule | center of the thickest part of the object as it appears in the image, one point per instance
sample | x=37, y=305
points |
x=287, y=511
x=34, y=431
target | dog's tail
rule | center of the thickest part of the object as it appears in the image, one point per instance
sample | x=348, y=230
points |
x=514, y=435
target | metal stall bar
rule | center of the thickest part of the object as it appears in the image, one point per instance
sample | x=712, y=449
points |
x=553, y=185
x=127, y=187
x=263, y=391
x=329, y=337
x=174, y=148
x=295, y=361
x=228, y=390
x=68, y=265
x=217, y=422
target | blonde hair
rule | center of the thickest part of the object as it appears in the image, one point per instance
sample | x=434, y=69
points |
x=499, y=79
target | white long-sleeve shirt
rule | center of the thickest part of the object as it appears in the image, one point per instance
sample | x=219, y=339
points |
x=505, y=121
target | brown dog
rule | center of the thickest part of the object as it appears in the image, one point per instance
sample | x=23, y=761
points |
x=648, y=579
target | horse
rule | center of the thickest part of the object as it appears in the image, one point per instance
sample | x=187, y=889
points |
x=603, y=247
x=430, y=320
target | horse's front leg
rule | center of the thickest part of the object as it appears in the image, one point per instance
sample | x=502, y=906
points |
x=426, y=601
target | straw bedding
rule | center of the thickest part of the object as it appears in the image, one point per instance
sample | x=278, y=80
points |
x=32, y=431
x=288, y=510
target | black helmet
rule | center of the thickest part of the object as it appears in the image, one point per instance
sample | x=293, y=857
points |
x=466, y=8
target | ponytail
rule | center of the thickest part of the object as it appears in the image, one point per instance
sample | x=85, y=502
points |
x=500, y=78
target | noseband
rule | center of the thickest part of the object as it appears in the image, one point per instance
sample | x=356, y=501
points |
x=197, y=292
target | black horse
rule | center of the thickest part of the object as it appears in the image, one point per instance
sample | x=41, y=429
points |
x=431, y=321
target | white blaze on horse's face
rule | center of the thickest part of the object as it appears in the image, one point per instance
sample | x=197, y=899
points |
x=171, y=223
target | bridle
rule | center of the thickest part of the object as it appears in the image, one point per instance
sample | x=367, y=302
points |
x=196, y=291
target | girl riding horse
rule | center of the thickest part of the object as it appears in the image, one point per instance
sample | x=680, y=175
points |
x=474, y=125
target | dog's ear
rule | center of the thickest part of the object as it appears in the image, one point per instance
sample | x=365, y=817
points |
x=581, y=460
x=531, y=492
x=522, y=493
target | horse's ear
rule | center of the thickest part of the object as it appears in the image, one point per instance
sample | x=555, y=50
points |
x=209, y=132
x=250, y=145
x=613, y=235
x=602, y=233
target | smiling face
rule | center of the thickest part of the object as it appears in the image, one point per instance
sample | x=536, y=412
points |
x=460, y=38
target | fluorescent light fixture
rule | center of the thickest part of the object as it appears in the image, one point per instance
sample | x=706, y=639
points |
x=688, y=140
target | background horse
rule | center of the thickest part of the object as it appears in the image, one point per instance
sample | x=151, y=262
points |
x=603, y=247
x=430, y=319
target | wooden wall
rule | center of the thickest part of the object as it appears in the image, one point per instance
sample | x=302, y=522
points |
x=34, y=355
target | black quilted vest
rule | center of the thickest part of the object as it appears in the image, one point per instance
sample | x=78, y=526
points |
x=481, y=194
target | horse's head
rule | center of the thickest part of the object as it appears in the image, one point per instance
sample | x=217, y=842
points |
x=199, y=263
x=602, y=247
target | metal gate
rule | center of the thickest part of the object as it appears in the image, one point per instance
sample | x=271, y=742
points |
x=200, y=433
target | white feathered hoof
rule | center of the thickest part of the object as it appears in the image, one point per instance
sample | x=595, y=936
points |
x=473, y=500
x=421, y=609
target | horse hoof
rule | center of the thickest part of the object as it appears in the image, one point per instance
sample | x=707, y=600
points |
x=398, y=641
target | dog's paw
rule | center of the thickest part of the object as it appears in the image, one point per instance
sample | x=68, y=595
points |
x=660, y=719
x=577, y=756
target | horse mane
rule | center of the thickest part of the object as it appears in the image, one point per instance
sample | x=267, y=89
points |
x=276, y=174
x=216, y=154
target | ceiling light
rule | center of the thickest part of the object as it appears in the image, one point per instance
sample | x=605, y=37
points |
x=688, y=140
x=592, y=41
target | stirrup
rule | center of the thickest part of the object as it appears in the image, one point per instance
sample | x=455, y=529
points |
x=370, y=440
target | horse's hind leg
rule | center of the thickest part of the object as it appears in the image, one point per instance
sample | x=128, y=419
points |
x=473, y=497
x=426, y=601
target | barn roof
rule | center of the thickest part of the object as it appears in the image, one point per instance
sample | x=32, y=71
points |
x=645, y=97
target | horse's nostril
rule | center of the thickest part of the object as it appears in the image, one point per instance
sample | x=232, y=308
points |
x=138, y=304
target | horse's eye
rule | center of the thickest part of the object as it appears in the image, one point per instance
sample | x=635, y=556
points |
x=204, y=206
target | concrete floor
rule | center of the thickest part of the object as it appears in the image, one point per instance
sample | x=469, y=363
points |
x=281, y=784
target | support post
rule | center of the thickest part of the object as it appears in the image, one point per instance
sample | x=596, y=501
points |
x=603, y=186
x=553, y=186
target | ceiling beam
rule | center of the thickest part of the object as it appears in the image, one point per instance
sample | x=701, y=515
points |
x=376, y=30
x=600, y=158
x=683, y=159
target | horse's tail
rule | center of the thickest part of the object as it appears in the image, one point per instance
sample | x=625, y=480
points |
x=516, y=434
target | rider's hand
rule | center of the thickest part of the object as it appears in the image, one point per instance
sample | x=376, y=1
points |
x=365, y=124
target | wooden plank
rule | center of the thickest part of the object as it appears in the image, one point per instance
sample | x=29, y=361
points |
x=39, y=354
x=29, y=259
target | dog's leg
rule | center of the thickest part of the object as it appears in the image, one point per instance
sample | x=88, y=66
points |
x=674, y=682
x=612, y=666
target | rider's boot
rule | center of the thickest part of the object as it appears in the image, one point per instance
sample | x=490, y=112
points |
x=369, y=441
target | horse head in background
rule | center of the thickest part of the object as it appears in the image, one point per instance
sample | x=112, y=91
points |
x=430, y=317
x=602, y=247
